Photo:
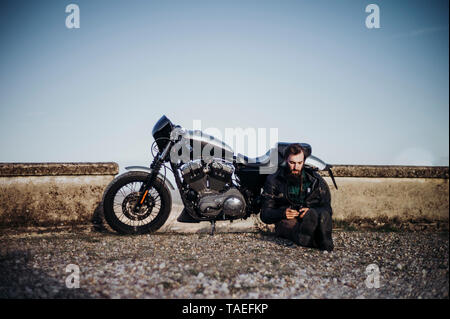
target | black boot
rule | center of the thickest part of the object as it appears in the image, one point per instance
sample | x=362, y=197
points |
x=307, y=228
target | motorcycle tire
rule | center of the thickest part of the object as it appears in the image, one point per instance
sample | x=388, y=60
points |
x=120, y=216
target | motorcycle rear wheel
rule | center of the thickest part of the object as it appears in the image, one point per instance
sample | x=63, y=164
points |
x=121, y=195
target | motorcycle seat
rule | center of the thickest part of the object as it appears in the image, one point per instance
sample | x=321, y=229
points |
x=255, y=161
x=264, y=160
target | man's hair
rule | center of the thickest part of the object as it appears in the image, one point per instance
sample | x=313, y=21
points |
x=293, y=149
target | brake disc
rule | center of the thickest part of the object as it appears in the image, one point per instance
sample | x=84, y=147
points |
x=130, y=201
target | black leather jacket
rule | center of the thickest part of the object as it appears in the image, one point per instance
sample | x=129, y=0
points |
x=275, y=191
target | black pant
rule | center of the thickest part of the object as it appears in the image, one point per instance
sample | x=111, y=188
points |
x=313, y=230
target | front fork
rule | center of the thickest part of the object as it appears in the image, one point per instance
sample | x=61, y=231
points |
x=159, y=159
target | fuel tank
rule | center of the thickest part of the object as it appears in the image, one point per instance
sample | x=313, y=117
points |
x=195, y=144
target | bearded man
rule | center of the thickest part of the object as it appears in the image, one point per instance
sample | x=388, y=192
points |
x=297, y=200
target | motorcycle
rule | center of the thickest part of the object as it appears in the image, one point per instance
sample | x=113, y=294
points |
x=214, y=183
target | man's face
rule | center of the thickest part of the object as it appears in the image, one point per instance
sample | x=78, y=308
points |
x=295, y=163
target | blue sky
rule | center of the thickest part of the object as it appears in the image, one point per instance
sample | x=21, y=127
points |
x=311, y=69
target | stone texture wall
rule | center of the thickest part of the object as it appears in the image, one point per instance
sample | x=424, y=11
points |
x=389, y=198
x=68, y=193
x=393, y=192
x=384, y=194
x=386, y=171
x=51, y=193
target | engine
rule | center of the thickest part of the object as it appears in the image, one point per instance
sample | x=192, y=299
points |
x=212, y=189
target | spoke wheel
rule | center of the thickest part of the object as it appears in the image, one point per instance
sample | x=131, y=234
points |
x=121, y=197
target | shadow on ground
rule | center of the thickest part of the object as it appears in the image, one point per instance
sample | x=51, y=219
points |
x=19, y=280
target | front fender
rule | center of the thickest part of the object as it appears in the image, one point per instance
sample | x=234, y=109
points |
x=147, y=169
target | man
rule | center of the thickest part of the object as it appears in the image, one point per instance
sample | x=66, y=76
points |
x=297, y=200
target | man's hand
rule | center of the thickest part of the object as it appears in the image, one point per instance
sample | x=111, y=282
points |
x=303, y=211
x=291, y=213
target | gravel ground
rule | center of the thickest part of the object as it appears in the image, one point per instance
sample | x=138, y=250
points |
x=227, y=265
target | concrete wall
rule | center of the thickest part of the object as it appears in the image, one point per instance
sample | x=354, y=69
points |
x=52, y=193
x=400, y=192
x=385, y=194
x=68, y=193
x=400, y=198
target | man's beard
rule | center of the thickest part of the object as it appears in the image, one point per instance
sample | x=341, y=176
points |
x=293, y=177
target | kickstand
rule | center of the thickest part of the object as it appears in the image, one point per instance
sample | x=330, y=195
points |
x=213, y=227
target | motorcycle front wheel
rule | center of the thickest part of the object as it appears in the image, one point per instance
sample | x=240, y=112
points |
x=121, y=196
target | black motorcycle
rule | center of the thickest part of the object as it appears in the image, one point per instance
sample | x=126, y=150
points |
x=214, y=183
